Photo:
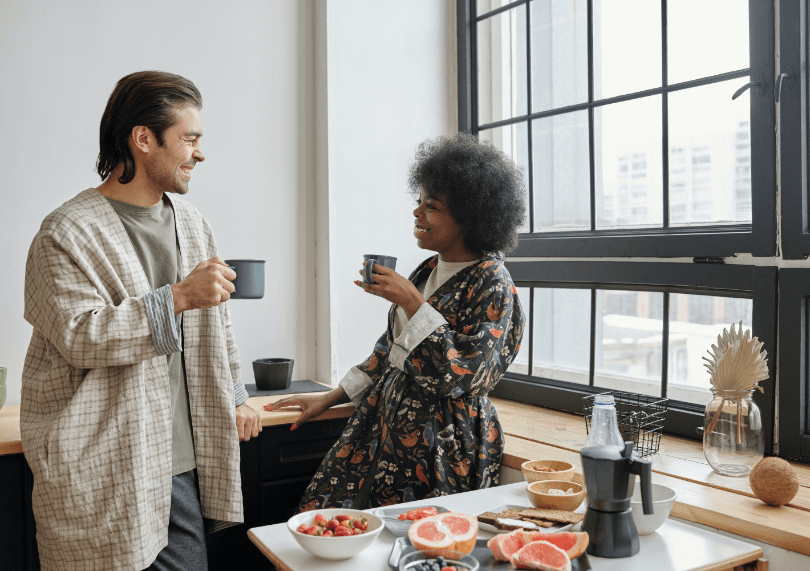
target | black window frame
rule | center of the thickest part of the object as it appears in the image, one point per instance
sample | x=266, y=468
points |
x=794, y=365
x=758, y=238
x=529, y=265
x=793, y=129
x=758, y=283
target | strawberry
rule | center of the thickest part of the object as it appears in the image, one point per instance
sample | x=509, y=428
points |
x=357, y=531
x=361, y=524
x=311, y=530
x=329, y=533
x=332, y=523
x=343, y=517
x=341, y=531
x=451, y=568
x=302, y=528
x=347, y=523
x=320, y=520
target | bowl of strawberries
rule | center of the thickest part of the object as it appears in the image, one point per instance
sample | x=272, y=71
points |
x=335, y=533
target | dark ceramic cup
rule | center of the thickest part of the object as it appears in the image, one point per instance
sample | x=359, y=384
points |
x=387, y=261
x=249, y=282
x=273, y=374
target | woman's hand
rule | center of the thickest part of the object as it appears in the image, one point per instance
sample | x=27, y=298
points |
x=310, y=405
x=393, y=287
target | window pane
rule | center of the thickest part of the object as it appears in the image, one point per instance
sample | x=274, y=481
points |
x=484, y=6
x=695, y=321
x=514, y=141
x=626, y=47
x=561, y=175
x=706, y=38
x=502, y=75
x=559, y=53
x=562, y=340
x=629, y=329
x=627, y=163
x=521, y=363
x=710, y=156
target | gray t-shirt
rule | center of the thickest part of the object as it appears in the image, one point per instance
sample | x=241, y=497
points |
x=152, y=231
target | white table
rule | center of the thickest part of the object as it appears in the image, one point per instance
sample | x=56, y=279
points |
x=674, y=547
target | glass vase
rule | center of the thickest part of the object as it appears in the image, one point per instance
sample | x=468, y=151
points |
x=732, y=433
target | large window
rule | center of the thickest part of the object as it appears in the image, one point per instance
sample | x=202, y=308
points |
x=621, y=113
x=647, y=134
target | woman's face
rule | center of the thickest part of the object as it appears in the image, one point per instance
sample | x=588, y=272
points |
x=435, y=229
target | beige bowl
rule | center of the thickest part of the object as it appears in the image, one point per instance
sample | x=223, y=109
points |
x=560, y=470
x=538, y=494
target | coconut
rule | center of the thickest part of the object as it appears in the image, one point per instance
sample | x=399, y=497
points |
x=774, y=481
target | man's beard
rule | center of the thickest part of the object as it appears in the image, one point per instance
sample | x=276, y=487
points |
x=164, y=178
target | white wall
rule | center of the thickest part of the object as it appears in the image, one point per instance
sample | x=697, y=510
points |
x=389, y=73
x=312, y=112
x=253, y=61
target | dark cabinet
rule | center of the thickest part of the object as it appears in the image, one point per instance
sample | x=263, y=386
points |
x=18, y=545
x=276, y=469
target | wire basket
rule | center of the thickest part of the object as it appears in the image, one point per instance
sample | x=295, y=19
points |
x=641, y=419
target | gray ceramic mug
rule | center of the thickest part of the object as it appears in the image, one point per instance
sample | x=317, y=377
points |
x=387, y=261
x=249, y=282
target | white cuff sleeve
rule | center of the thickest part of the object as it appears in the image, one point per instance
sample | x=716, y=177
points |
x=424, y=322
x=355, y=383
x=164, y=325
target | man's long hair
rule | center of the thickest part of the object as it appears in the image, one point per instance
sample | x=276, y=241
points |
x=143, y=98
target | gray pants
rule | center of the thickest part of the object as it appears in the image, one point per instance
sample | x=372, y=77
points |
x=186, y=550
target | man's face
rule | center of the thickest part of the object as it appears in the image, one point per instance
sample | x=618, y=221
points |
x=168, y=167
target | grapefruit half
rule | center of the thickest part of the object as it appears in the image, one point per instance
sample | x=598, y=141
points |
x=504, y=545
x=450, y=531
x=541, y=555
x=573, y=543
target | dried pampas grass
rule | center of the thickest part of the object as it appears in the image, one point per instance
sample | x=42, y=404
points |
x=737, y=364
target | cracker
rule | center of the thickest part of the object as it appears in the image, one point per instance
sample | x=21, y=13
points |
x=507, y=524
x=538, y=522
x=559, y=516
x=488, y=518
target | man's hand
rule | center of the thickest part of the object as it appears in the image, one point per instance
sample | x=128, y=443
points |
x=208, y=285
x=248, y=422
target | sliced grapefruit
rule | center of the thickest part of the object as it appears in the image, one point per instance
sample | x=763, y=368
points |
x=504, y=545
x=573, y=543
x=541, y=555
x=450, y=531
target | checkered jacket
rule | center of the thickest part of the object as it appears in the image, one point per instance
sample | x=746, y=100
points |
x=95, y=413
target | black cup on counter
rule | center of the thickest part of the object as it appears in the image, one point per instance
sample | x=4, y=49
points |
x=249, y=282
x=273, y=374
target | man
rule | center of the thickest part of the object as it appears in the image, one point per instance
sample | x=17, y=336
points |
x=132, y=400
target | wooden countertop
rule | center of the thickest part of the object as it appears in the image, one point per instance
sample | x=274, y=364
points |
x=10, y=420
x=533, y=433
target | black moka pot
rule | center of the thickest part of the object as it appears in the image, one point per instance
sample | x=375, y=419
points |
x=610, y=473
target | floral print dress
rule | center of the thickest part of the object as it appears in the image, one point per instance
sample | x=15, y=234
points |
x=430, y=429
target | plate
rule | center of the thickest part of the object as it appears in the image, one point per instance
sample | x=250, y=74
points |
x=493, y=529
x=400, y=527
x=481, y=552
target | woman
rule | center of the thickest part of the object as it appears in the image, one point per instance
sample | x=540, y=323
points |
x=423, y=425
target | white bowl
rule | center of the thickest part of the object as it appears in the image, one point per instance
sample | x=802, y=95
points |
x=663, y=500
x=335, y=547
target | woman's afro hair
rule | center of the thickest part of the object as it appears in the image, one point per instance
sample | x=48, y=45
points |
x=484, y=189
